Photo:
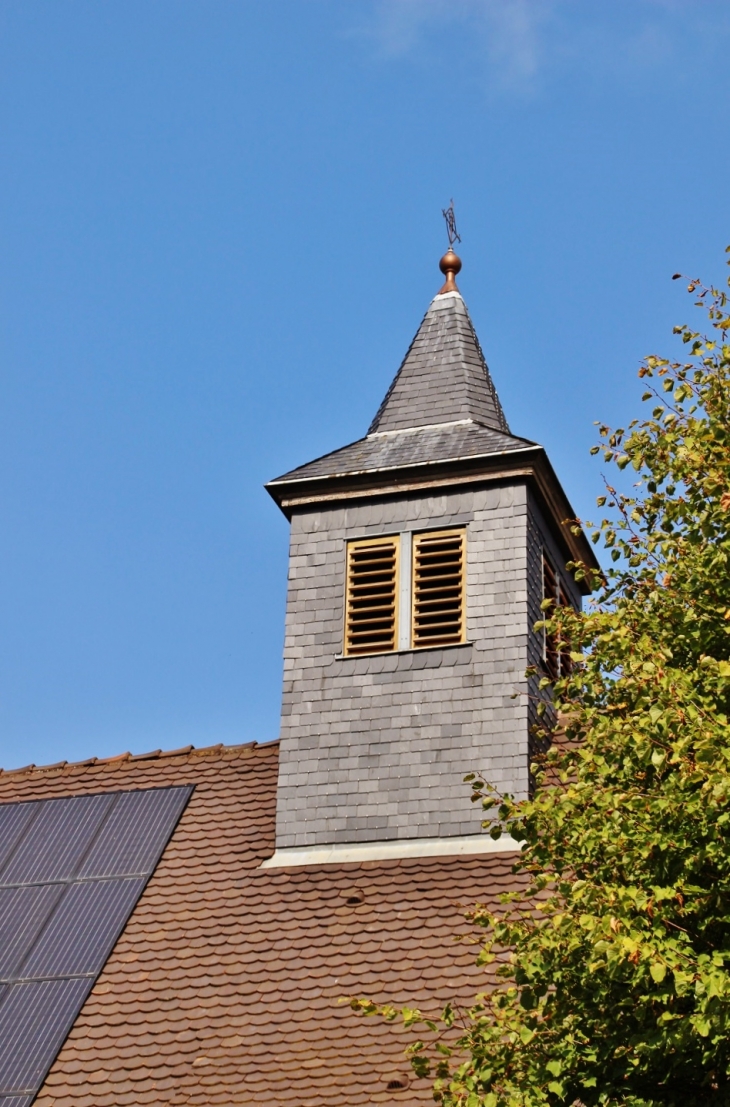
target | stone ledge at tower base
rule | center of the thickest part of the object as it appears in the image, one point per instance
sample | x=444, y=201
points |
x=387, y=851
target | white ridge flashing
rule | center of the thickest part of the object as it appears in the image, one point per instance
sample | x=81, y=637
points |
x=424, y=427
x=390, y=851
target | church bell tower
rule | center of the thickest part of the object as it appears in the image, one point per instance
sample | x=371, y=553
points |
x=419, y=558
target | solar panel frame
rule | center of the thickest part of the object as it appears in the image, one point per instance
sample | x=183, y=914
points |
x=65, y=881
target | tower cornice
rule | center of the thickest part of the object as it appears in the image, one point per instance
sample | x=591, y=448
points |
x=529, y=463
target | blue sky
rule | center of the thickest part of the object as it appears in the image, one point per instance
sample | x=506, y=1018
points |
x=219, y=229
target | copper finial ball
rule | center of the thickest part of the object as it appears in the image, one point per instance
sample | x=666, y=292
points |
x=449, y=265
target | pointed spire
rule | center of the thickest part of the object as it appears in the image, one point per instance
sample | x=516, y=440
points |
x=444, y=377
x=441, y=406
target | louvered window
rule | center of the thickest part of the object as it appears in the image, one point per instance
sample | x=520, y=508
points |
x=372, y=596
x=556, y=653
x=550, y=592
x=438, y=588
x=566, y=662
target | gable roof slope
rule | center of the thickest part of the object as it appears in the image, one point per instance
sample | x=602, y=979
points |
x=224, y=987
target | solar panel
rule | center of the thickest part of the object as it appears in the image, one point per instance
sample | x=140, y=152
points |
x=71, y=872
x=14, y=818
x=83, y=929
x=127, y=843
x=56, y=839
x=34, y=1021
x=23, y=913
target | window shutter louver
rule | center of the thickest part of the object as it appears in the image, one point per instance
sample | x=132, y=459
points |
x=566, y=662
x=549, y=592
x=438, y=588
x=372, y=596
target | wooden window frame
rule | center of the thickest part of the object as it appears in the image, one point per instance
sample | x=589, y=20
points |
x=445, y=640
x=354, y=547
x=404, y=590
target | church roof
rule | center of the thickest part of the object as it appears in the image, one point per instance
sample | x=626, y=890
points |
x=441, y=406
x=224, y=986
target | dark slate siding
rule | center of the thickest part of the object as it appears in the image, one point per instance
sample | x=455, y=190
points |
x=375, y=748
x=539, y=539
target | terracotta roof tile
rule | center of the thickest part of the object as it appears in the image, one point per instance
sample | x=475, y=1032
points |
x=224, y=987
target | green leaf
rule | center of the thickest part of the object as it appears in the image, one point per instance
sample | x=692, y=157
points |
x=658, y=972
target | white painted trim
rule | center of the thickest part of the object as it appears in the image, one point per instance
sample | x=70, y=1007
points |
x=389, y=851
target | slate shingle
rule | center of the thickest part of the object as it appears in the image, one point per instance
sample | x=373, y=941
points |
x=444, y=376
x=441, y=406
x=383, y=451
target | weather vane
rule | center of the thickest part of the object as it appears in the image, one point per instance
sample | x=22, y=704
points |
x=448, y=214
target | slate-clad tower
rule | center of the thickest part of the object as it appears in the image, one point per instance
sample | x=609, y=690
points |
x=419, y=558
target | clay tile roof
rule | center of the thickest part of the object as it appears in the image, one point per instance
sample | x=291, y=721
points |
x=223, y=987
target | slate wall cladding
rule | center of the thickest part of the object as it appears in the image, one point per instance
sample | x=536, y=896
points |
x=375, y=748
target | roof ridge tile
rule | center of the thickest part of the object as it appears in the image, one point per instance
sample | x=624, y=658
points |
x=120, y=759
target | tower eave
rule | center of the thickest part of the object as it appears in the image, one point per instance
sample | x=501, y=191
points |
x=529, y=463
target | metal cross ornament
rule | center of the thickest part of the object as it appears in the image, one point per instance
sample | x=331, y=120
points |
x=448, y=214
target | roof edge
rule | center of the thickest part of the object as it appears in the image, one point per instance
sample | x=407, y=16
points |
x=124, y=758
x=531, y=463
x=287, y=481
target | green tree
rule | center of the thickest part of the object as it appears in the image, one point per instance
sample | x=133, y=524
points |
x=611, y=970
